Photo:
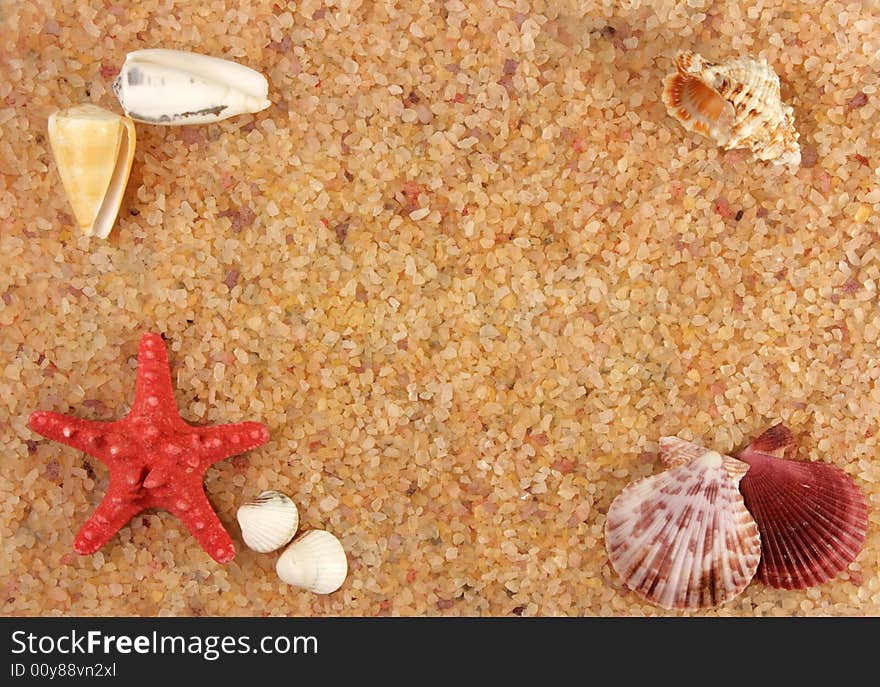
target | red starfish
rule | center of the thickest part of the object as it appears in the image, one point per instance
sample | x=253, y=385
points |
x=156, y=460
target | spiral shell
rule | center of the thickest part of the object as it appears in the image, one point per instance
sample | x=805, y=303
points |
x=736, y=103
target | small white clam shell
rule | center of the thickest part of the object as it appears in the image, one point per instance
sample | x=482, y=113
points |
x=94, y=149
x=316, y=561
x=174, y=87
x=268, y=522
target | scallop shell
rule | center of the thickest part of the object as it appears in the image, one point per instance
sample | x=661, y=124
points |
x=736, y=103
x=176, y=87
x=316, y=561
x=811, y=516
x=93, y=149
x=683, y=538
x=268, y=522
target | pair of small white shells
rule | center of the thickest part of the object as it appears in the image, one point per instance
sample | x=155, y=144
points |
x=316, y=561
x=94, y=148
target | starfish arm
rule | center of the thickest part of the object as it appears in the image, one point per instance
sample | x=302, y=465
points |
x=83, y=435
x=153, y=389
x=109, y=517
x=195, y=512
x=213, y=444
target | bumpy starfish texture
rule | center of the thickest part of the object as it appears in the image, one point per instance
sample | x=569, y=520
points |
x=156, y=459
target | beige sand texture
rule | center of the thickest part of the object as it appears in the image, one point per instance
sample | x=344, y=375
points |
x=467, y=270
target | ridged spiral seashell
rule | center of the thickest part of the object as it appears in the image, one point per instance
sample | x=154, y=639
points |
x=315, y=561
x=268, y=522
x=93, y=149
x=736, y=103
x=683, y=538
x=811, y=516
x=174, y=87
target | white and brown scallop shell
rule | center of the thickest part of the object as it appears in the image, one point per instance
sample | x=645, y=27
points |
x=683, y=538
x=736, y=103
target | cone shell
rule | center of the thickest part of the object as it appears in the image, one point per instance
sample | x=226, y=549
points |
x=683, y=538
x=736, y=103
x=93, y=149
x=174, y=87
x=811, y=516
x=268, y=522
x=316, y=561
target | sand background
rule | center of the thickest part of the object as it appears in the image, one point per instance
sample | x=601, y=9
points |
x=466, y=269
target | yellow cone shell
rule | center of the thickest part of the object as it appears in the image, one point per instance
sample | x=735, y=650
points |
x=93, y=149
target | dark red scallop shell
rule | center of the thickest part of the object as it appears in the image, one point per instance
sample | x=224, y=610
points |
x=811, y=516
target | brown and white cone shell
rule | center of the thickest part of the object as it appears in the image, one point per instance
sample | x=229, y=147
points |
x=315, y=561
x=175, y=87
x=683, y=538
x=268, y=522
x=812, y=517
x=736, y=103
